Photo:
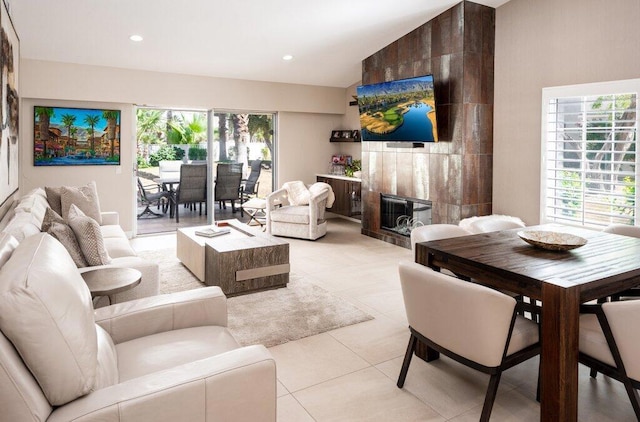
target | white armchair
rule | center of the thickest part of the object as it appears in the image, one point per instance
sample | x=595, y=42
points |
x=305, y=221
x=161, y=358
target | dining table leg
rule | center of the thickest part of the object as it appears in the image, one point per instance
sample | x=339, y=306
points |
x=559, y=352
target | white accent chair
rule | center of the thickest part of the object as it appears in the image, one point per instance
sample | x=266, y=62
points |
x=472, y=324
x=306, y=221
x=162, y=358
x=610, y=341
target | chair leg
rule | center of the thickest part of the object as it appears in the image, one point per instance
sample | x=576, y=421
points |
x=177, y=216
x=492, y=390
x=633, y=396
x=407, y=360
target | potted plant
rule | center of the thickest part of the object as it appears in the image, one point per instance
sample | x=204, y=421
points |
x=353, y=169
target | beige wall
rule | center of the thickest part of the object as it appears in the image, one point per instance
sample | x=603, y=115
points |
x=543, y=43
x=307, y=114
x=350, y=120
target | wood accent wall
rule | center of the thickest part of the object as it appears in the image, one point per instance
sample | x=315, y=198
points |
x=457, y=47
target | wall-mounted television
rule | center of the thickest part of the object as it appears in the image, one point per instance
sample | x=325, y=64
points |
x=398, y=111
x=64, y=136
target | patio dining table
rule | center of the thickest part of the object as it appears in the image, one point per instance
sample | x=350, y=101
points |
x=562, y=280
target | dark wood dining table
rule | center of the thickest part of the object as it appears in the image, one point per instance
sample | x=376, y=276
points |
x=562, y=280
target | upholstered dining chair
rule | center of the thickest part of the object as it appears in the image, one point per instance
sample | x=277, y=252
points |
x=436, y=232
x=624, y=230
x=471, y=324
x=192, y=188
x=610, y=341
x=491, y=223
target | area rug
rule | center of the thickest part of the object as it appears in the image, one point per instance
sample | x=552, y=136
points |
x=271, y=317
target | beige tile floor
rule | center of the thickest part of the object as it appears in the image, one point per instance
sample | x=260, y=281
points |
x=350, y=374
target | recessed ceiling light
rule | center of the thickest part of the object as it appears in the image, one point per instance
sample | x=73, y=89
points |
x=287, y=57
x=136, y=38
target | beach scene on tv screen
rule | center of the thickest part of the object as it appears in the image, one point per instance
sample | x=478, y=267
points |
x=76, y=136
x=402, y=110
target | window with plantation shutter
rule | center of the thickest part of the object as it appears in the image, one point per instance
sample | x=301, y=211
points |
x=590, y=164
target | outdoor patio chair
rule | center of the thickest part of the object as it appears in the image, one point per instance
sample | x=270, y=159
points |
x=192, y=188
x=249, y=186
x=147, y=199
x=228, y=180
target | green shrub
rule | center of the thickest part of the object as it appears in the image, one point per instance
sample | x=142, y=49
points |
x=167, y=152
x=197, y=153
x=142, y=163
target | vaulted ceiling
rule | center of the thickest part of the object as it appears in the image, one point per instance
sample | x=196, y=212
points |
x=242, y=39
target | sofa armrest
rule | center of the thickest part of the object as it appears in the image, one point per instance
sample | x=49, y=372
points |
x=110, y=218
x=233, y=386
x=150, y=315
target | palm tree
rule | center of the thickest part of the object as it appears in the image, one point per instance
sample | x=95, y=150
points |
x=242, y=137
x=261, y=124
x=222, y=133
x=68, y=120
x=111, y=116
x=92, y=121
x=44, y=116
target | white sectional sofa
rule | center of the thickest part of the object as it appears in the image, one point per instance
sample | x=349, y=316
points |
x=26, y=218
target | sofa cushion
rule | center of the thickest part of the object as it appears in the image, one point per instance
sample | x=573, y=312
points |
x=84, y=197
x=34, y=203
x=22, y=225
x=291, y=214
x=46, y=312
x=54, y=199
x=8, y=244
x=87, y=231
x=49, y=217
x=157, y=352
x=65, y=235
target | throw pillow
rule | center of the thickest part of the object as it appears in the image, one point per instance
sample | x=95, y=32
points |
x=53, y=198
x=297, y=192
x=50, y=216
x=67, y=237
x=84, y=197
x=87, y=231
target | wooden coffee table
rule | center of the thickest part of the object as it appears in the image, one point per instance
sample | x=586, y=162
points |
x=243, y=261
x=109, y=281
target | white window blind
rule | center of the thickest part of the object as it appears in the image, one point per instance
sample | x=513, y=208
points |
x=590, y=165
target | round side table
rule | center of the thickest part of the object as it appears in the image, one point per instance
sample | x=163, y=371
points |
x=109, y=281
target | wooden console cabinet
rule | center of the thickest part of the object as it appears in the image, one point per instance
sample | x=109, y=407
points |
x=348, y=194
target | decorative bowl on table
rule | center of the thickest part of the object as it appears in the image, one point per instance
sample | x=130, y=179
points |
x=553, y=241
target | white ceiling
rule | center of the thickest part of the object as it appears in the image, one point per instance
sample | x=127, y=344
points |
x=243, y=39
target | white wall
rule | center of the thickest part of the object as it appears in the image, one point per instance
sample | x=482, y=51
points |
x=543, y=43
x=307, y=116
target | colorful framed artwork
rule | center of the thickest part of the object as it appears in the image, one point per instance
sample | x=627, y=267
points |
x=65, y=136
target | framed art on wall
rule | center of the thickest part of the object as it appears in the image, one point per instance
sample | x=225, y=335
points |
x=65, y=136
x=9, y=107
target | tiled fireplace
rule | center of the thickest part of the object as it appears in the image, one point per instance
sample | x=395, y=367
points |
x=455, y=173
x=400, y=215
